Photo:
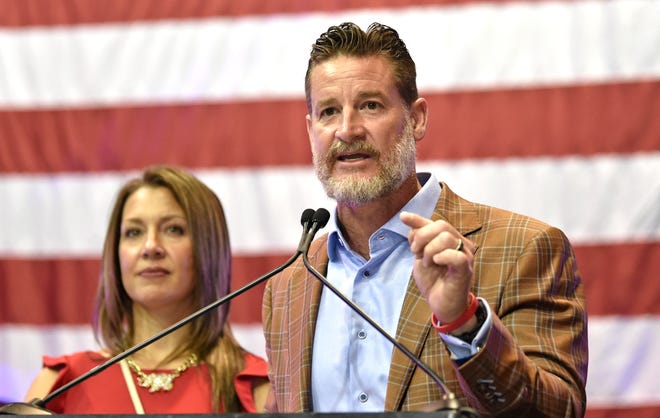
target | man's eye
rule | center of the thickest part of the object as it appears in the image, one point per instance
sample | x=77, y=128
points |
x=328, y=112
x=372, y=105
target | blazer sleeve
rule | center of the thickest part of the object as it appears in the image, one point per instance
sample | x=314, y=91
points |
x=534, y=361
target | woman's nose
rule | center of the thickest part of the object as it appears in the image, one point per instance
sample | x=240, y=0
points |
x=152, y=246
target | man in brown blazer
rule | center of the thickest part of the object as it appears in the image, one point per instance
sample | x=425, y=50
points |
x=490, y=300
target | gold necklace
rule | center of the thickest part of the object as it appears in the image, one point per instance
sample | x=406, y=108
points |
x=160, y=381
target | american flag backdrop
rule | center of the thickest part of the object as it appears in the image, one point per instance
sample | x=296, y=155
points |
x=548, y=108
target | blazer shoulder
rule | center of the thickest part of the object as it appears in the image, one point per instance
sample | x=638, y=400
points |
x=468, y=216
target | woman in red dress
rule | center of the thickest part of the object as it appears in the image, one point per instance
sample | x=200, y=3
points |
x=166, y=255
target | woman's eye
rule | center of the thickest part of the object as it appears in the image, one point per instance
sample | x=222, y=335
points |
x=176, y=230
x=131, y=232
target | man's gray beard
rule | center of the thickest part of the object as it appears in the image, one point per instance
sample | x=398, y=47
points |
x=358, y=190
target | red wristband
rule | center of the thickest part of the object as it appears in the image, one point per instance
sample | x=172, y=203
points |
x=458, y=322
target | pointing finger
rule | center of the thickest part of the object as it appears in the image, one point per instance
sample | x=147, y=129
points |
x=414, y=220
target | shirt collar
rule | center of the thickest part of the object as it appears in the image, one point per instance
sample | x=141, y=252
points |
x=423, y=203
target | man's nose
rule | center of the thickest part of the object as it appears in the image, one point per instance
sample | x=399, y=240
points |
x=351, y=127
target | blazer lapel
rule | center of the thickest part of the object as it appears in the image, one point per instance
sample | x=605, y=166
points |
x=305, y=298
x=412, y=331
x=414, y=323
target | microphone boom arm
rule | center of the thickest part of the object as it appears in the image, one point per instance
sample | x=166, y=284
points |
x=448, y=394
x=166, y=331
x=37, y=406
x=449, y=400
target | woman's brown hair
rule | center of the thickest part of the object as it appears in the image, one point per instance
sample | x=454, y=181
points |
x=210, y=335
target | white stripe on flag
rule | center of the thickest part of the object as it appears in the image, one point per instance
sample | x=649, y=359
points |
x=623, y=361
x=460, y=47
x=66, y=214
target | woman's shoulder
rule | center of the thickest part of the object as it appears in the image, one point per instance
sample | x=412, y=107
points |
x=255, y=365
x=58, y=370
x=80, y=360
x=249, y=381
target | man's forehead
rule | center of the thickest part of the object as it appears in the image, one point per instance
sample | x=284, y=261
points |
x=342, y=60
x=362, y=75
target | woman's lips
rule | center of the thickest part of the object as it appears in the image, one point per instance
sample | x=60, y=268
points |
x=154, y=272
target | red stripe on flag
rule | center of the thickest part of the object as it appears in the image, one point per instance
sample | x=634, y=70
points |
x=490, y=124
x=552, y=121
x=246, y=308
x=45, y=292
x=62, y=290
x=16, y=13
x=651, y=411
x=621, y=279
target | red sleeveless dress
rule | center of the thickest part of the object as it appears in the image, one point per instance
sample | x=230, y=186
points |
x=107, y=393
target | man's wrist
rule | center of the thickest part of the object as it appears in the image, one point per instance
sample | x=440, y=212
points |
x=462, y=322
x=463, y=350
x=470, y=334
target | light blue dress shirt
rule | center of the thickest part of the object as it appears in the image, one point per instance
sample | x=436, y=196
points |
x=350, y=359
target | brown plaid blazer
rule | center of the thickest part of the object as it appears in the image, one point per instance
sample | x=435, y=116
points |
x=534, y=363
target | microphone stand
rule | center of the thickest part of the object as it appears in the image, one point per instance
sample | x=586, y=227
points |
x=37, y=406
x=448, y=401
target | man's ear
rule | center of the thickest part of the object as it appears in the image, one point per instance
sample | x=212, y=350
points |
x=308, y=120
x=419, y=117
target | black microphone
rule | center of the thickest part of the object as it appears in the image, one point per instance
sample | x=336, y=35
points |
x=307, y=221
x=38, y=406
x=448, y=401
x=318, y=220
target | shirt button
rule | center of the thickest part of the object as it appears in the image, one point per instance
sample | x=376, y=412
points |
x=363, y=397
x=362, y=334
x=381, y=236
x=366, y=273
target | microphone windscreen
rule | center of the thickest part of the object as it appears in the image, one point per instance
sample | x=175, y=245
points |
x=321, y=217
x=306, y=216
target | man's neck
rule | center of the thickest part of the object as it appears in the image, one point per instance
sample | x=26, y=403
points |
x=358, y=223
